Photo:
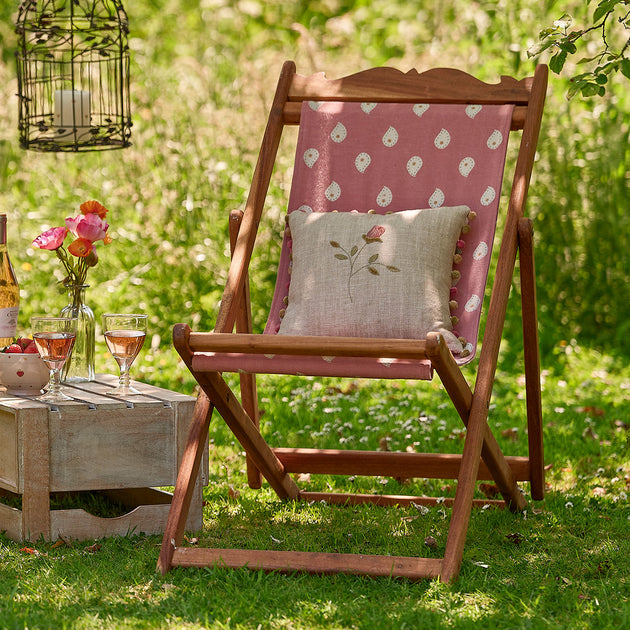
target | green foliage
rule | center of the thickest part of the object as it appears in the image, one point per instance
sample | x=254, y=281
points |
x=610, y=21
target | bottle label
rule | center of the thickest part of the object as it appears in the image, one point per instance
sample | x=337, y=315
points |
x=8, y=321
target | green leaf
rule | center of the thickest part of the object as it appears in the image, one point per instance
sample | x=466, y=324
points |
x=564, y=22
x=373, y=258
x=573, y=35
x=373, y=271
x=354, y=250
x=546, y=32
x=544, y=44
x=556, y=63
x=581, y=78
x=590, y=88
x=335, y=244
x=392, y=268
x=624, y=66
x=601, y=79
x=604, y=7
x=574, y=88
x=341, y=257
x=568, y=47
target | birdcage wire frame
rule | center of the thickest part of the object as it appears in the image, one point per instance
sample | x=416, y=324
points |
x=73, y=75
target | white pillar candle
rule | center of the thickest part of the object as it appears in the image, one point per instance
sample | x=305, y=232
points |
x=72, y=109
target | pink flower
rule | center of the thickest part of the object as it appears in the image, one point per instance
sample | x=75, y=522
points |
x=51, y=239
x=375, y=232
x=88, y=226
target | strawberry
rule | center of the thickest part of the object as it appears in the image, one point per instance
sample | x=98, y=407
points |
x=14, y=348
x=31, y=348
x=23, y=342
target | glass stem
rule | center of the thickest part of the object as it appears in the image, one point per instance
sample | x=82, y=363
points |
x=54, y=385
x=124, y=378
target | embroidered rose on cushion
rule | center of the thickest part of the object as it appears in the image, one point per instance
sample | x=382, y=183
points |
x=373, y=235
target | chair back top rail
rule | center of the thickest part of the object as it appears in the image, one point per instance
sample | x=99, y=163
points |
x=438, y=85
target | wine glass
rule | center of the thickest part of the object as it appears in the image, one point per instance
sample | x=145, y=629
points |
x=124, y=336
x=54, y=338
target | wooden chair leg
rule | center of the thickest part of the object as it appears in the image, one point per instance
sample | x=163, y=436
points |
x=463, y=399
x=480, y=443
x=249, y=393
x=532, y=359
x=185, y=484
x=462, y=506
x=249, y=399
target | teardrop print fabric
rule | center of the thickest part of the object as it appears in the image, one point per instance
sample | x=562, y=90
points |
x=390, y=157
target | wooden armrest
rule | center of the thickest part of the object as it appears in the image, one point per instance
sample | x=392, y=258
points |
x=312, y=346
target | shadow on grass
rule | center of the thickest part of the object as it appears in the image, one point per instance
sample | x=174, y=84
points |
x=561, y=566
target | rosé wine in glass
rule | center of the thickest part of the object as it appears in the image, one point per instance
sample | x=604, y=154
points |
x=124, y=336
x=54, y=338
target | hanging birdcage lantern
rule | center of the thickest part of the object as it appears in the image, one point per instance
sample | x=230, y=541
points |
x=73, y=75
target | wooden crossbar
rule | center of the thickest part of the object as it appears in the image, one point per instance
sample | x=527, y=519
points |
x=318, y=563
x=391, y=500
x=387, y=464
x=308, y=346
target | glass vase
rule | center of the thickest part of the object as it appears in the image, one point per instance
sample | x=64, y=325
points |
x=80, y=366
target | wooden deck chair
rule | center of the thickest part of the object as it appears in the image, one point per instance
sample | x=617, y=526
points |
x=391, y=221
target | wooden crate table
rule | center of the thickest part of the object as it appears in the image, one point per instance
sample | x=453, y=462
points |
x=124, y=448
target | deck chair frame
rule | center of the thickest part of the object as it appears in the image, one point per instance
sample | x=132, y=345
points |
x=481, y=458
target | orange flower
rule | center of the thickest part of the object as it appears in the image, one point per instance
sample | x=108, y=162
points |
x=81, y=247
x=94, y=207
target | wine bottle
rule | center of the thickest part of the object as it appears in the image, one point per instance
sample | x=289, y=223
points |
x=9, y=290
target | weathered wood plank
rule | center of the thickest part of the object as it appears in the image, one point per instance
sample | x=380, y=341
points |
x=96, y=442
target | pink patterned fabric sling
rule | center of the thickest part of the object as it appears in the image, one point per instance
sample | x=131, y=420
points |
x=386, y=158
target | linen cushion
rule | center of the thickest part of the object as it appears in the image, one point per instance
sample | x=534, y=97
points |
x=369, y=275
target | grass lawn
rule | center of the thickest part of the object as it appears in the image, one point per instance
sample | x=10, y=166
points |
x=564, y=563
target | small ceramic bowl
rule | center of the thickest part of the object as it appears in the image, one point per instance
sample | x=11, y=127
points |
x=24, y=374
